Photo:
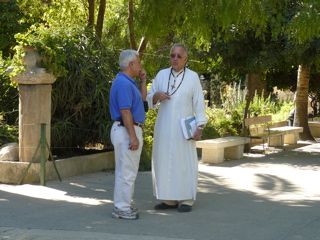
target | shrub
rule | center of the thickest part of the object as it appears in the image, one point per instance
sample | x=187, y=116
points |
x=261, y=106
x=53, y=44
x=8, y=134
x=9, y=96
x=146, y=155
x=222, y=124
x=80, y=99
x=226, y=121
x=283, y=113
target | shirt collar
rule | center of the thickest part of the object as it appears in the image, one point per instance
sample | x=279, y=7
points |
x=126, y=76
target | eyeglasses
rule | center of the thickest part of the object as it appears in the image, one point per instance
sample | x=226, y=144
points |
x=176, y=55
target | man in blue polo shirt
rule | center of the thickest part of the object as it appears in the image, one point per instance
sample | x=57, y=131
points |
x=127, y=109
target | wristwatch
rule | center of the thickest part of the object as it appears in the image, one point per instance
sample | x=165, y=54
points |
x=201, y=128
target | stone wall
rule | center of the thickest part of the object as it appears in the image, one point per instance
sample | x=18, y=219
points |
x=11, y=172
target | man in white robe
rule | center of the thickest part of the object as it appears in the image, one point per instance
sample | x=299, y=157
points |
x=174, y=158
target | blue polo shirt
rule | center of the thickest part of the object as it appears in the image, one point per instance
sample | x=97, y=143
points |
x=125, y=94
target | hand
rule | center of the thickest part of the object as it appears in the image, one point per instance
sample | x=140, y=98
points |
x=197, y=134
x=142, y=75
x=163, y=96
x=134, y=145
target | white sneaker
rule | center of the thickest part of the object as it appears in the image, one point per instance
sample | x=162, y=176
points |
x=131, y=208
x=129, y=214
x=134, y=209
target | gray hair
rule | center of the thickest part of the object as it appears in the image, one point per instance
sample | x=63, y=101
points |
x=126, y=57
x=180, y=45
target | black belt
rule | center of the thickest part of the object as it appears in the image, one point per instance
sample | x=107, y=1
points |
x=134, y=123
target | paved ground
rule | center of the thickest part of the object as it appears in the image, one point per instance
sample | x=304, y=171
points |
x=272, y=197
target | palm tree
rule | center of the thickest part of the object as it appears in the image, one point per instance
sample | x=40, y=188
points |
x=301, y=102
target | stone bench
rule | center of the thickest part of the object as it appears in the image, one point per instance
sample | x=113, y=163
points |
x=314, y=127
x=277, y=136
x=215, y=150
x=290, y=135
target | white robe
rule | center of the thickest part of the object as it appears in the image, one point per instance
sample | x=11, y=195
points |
x=174, y=158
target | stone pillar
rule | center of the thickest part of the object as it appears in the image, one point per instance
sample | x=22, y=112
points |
x=34, y=86
x=34, y=109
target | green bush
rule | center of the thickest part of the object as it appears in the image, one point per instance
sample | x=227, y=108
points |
x=222, y=124
x=12, y=21
x=226, y=121
x=211, y=130
x=146, y=155
x=8, y=134
x=283, y=113
x=53, y=44
x=261, y=106
x=9, y=96
x=80, y=99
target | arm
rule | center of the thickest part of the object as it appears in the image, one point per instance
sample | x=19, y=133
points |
x=143, y=84
x=160, y=96
x=199, y=108
x=156, y=93
x=128, y=123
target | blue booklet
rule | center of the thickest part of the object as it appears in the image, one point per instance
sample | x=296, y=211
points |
x=189, y=126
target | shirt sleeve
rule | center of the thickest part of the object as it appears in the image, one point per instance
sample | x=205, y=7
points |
x=124, y=97
x=199, y=103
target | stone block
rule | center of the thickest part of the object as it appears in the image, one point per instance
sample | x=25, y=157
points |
x=10, y=152
x=275, y=141
x=234, y=153
x=215, y=150
x=212, y=155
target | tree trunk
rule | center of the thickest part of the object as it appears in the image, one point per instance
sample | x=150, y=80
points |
x=257, y=85
x=100, y=19
x=253, y=84
x=249, y=84
x=301, y=113
x=91, y=13
x=133, y=43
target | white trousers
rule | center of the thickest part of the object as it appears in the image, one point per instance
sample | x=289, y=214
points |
x=127, y=165
x=189, y=202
